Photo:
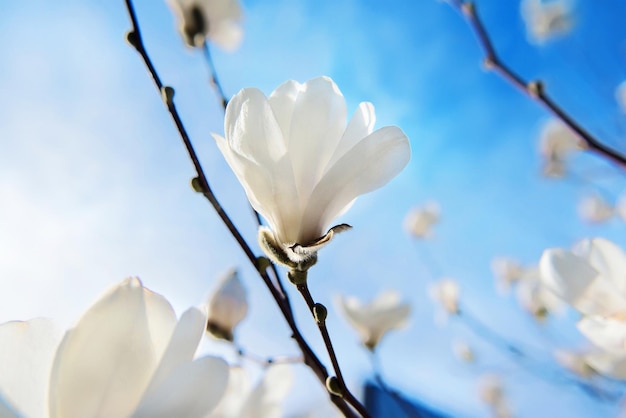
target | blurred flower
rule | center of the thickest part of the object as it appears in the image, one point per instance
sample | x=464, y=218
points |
x=419, y=221
x=264, y=400
x=301, y=166
x=595, y=209
x=491, y=392
x=506, y=271
x=446, y=294
x=127, y=355
x=216, y=20
x=576, y=363
x=620, y=206
x=620, y=96
x=535, y=298
x=607, y=363
x=373, y=320
x=546, y=19
x=227, y=306
x=463, y=351
x=591, y=279
x=557, y=140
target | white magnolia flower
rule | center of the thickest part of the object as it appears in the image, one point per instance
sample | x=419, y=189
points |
x=374, y=319
x=217, y=20
x=419, y=221
x=491, y=392
x=591, y=278
x=463, y=352
x=593, y=208
x=242, y=400
x=620, y=96
x=301, y=165
x=557, y=141
x=227, y=306
x=534, y=297
x=546, y=19
x=127, y=356
x=506, y=271
x=446, y=294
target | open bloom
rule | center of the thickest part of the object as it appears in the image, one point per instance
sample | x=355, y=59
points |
x=546, y=19
x=217, y=20
x=420, y=220
x=557, y=141
x=373, y=320
x=591, y=279
x=301, y=165
x=227, y=306
x=127, y=356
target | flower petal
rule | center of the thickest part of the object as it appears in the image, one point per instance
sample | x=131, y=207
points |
x=266, y=398
x=608, y=364
x=607, y=258
x=370, y=164
x=6, y=410
x=105, y=363
x=361, y=125
x=574, y=280
x=26, y=353
x=606, y=333
x=191, y=390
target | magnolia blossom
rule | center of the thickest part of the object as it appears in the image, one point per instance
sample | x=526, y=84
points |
x=126, y=356
x=534, y=297
x=446, y=294
x=227, y=306
x=546, y=19
x=591, y=279
x=593, y=208
x=463, y=351
x=419, y=221
x=491, y=392
x=373, y=320
x=557, y=140
x=506, y=271
x=242, y=400
x=217, y=20
x=301, y=165
x=575, y=362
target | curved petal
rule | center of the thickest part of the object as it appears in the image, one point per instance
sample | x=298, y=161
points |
x=606, y=333
x=282, y=100
x=317, y=124
x=361, y=125
x=105, y=363
x=607, y=258
x=574, y=280
x=7, y=410
x=192, y=390
x=182, y=346
x=26, y=353
x=237, y=389
x=370, y=164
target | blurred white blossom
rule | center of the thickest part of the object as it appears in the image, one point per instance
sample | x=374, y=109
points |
x=242, y=400
x=374, y=319
x=506, y=271
x=535, y=298
x=575, y=362
x=445, y=293
x=463, y=352
x=226, y=306
x=556, y=141
x=301, y=165
x=545, y=19
x=420, y=220
x=215, y=20
x=491, y=392
x=127, y=355
x=594, y=209
x=620, y=206
x=591, y=279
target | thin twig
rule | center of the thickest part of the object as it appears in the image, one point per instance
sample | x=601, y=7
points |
x=214, y=80
x=534, y=89
x=267, y=361
x=310, y=359
x=321, y=324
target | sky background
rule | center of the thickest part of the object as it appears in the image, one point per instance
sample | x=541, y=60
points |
x=94, y=181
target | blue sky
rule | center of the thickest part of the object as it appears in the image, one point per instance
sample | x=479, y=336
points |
x=94, y=180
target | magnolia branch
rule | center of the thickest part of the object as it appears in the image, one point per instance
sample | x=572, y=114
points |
x=534, y=89
x=201, y=184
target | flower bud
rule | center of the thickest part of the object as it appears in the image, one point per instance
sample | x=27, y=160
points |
x=227, y=306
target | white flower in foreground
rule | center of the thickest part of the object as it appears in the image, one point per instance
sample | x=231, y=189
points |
x=620, y=96
x=127, y=356
x=217, y=20
x=419, y=221
x=557, y=141
x=592, y=279
x=227, y=306
x=374, y=319
x=301, y=165
x=593, y=208
x=265, y=399
x=546, y=19
x=446, y=294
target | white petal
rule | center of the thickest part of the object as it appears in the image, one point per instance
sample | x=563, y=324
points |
x=607, y=258
x=606, y=333
x=238, y=388
x=317, y=124
x=105, y=363
x=182, y=346
x=7, y=410
x=192, y=390
x=574, y=280
x=283, y=100
x=370, y=164
x=26, y=353
x=266, y=398
x=608, y=364
x=361, y=125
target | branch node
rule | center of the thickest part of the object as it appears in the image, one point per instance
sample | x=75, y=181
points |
x=535, y=89
x=133, y=39
x=320, y=313
x=196, y=185
x=468, y=9
x=333, y=386
x=489, y=63
x=167, y=94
